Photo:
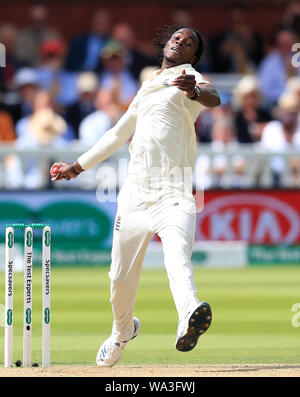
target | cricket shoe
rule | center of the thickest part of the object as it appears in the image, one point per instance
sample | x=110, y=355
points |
x=193, y=325
x=111, y=350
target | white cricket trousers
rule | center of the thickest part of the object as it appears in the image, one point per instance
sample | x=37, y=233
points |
x=138, y=218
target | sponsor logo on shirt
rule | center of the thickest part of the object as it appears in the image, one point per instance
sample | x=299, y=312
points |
x=118, y=223
x=167, y=83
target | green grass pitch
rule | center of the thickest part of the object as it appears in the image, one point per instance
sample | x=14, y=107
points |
x=252, y=317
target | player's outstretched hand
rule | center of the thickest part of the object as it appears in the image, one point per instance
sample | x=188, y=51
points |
x=62, y=170
x=186, y=83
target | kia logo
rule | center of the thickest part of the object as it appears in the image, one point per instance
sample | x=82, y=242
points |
x=254, y=218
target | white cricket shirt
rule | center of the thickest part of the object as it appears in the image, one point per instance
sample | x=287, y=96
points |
x=162, y=119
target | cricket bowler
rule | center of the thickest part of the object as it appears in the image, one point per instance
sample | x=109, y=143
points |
x=157, y=195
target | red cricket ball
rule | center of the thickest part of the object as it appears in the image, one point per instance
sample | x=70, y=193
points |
x=54, y=170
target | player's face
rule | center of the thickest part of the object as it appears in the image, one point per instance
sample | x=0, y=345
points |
x=181, y=47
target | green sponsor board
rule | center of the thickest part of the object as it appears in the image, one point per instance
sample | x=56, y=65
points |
x=199, y=257
x=273, y=255
x=81, y=227
x=81, y=256
x=79, y=231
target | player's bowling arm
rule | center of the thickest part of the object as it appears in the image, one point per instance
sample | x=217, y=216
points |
x=209, y=96
x=206, y=94
x=111, y=141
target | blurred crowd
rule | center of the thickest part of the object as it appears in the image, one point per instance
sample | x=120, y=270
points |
x=53, y=92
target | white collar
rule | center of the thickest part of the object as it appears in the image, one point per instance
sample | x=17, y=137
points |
x=173, y=70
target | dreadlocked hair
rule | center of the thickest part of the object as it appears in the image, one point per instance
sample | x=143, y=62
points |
x=164, y=34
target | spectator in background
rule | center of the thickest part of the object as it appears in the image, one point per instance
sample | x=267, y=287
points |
x=293, y=86
x=250, y=117
x=26, y=84
x=52, y=76
x=134, y=59
x=105, y=102
x=85, y=50
x=7, y=135
x=94, y=125
x=203, y=126
x=279, y=135
x=224, y=138
x=293, y=179
x=291, y=18
x=87, y=85
x=43, y=126
x=116, y=77
x=208, y=117
x=223, y=134
x=8, y=34
x=240, y=179
x=29, y=40
x=277, y=67
x=238, y=49
x=213, y=172
x=7, y=131
x=182, y=16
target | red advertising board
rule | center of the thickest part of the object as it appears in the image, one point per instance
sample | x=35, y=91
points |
x=257, y=216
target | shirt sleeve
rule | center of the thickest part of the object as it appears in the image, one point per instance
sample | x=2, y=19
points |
x=133, y=107
x=111, y=141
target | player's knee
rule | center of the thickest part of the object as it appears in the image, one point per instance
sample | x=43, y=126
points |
x=182, y=265
x=114, y=276
x=117, y=276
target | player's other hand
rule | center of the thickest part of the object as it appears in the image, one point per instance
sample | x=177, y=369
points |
x=186, y=83
x=62, y=170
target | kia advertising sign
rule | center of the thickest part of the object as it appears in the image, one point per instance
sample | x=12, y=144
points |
x=258, y=217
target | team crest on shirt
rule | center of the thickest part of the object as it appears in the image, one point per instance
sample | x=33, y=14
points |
x=167, y=82
x=118, y=223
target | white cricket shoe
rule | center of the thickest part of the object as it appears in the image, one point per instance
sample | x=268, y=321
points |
x=111, y=350
x=193, y=325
